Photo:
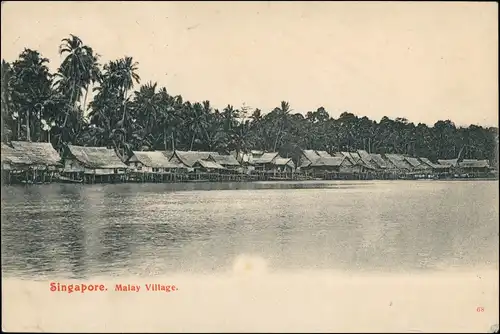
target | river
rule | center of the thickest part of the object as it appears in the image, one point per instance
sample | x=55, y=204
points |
x=264, y=256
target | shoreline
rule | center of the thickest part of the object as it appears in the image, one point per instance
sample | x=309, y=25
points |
x=259, y=181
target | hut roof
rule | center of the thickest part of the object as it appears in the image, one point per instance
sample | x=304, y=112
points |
x=96, y=157
x=266, y=158
x=431, y=164
x=12, y=156
x=284, y=161
x=352, y=157
x=377, y=160
x=333, y=161
x=155, y=159
x=353, y=160
x=474, y=164
x=254, y=154
x=355, y=156
x=189, y=158
x=225, y=160
x=324, y=154
x=398, y=161
x=167, y=154
x=415, y=163
x=38, y=153
x=366, y=158
x=448, y=162
x=364, y=155
x=311, y=155
x=208, y=164
x=305, y=163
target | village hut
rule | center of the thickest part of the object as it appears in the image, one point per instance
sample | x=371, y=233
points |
x=154, y=166
x=367, y=160
x=379, y=162
x=452, y=163
x=306, y=158
x=417, y=164
x=15, y=165
x=350, y=164
x=94, y=164
x=227, y=161
x=329, y=168
x=265, y=162
x=14, y=160
x=152, y=162
x=398, y=160
x=357, y=164
x=29, y=162
x=42, y=155
x=208, y=166
x=284, y=165
x=436, y=168
x=419, y=169
x=189, y=158
x=473, y=167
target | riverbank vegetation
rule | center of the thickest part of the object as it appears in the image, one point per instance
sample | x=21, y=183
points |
x=92, y=104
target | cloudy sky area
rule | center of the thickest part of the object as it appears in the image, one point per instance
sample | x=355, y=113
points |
x=421, y=61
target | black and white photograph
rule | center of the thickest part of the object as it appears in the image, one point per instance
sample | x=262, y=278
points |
x=249, y=166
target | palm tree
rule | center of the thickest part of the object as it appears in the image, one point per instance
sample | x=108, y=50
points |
x=7, y=112
x=78, y=70
x=31, y=84
x=282, y=112
x=127, y=75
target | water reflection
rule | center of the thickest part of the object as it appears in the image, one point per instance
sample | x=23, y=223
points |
x=80, y=231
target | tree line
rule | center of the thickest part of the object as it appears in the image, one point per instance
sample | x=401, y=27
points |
x=38, y=105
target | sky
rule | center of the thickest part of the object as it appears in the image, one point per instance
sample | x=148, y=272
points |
x=421, y=61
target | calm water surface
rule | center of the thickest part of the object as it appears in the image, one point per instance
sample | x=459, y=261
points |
x=82, y=231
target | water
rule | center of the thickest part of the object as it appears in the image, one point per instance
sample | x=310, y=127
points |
x=332, y=253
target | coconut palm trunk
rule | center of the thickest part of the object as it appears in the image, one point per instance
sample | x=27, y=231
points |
x=28, y=125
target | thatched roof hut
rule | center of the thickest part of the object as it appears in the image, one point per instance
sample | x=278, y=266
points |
x=417, y=164
x=225, y=160
x=189, y=158
x=472, y=163
x=434, y=166
x=10, y=158
x=42, y=154
x=308, y=157
x=353, y=159
x=329, y=162
x=379, y=162
x=265, y=158
x=154, y=159
x=399, y=161
x=95, y=157
x=208, y=164
x=366, y=159
x=282, y=162
x=448, y=162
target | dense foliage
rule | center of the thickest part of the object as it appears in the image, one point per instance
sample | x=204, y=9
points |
x=41, y=106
